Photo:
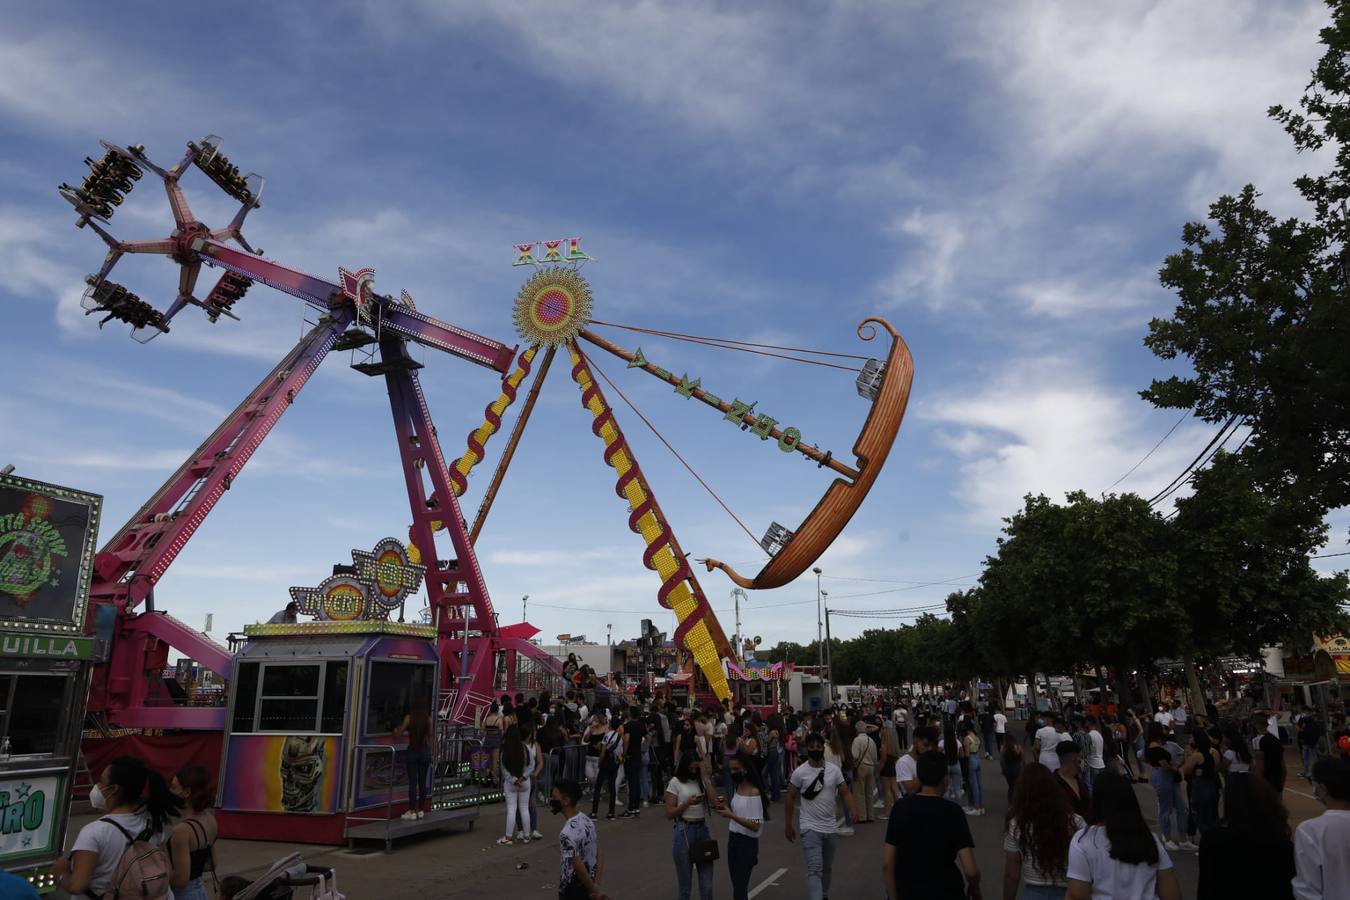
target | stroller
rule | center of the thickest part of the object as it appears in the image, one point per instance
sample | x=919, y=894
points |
x=279, y=882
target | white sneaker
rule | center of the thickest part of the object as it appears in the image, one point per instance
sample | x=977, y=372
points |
x=408, y=816
x=970, y=811
x=1187, y=845
x=538, y=836
x=878, y=805
x=1171, y=844
x=846, y=830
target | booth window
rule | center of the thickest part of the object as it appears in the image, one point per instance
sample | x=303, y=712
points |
x=393, y=685
x=26, y=722
x=295, y=698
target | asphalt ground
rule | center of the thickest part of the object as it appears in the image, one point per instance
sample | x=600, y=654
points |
x=638, y=859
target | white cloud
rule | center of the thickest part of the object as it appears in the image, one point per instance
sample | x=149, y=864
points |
x=936, y=239
x=537, y=558
x=1050, y=425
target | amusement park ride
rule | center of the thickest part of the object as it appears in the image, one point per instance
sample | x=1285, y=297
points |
x=553, y=310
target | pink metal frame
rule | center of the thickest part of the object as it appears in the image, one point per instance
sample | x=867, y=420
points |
x=133, y=561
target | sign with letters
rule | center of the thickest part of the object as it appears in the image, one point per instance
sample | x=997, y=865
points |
x=29, y=808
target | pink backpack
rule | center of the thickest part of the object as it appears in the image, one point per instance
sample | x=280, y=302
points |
x=143, y=871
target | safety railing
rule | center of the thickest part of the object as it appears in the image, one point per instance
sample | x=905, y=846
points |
x=348, y=818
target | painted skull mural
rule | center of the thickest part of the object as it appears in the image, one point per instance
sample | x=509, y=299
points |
x=302, y=764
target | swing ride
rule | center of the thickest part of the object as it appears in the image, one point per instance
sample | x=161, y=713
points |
x=552, y=312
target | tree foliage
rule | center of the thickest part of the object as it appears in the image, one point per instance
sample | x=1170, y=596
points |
x=1263, y=315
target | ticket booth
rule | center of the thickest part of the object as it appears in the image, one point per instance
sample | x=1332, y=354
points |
x=309, y=743
x=47, y=540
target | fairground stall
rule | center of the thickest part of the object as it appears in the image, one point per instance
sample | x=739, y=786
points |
x=761, y=686
x=47, y=539
x=310, y=752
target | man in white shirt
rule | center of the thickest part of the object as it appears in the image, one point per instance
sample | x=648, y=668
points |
x=1093, y=762
x=1163, y=717
x=1322, y=845
x=907, y=767
x=1000, y=728
x=816, y=783
x=1047, y=739
x=1178, y=716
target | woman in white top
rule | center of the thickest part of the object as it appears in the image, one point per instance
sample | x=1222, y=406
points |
x=1041, y=822
x=1119, y=858
x=136, y=803
x=744, y=808
x=1237, y=754
x=686, y=807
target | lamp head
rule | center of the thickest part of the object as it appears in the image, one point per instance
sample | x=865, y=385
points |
x=816, y=570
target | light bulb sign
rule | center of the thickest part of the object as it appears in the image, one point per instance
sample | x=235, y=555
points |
x=552, y=252
x=28, y=810
x=47, y=536
x=384, y=577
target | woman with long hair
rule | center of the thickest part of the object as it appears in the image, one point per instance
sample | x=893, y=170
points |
x=1201, y=770
x=1036, y=836
x=492, y=736
x=1165, y=778
x=192, y=839
x=773, y=757
x=1236, y=754
x=686, y=806
x=607, y=768
x=417, y=759
x=838, y=750
x=534, y=765
x=970, y=743
x=744, y=810
x=1119, y=858
x=515, y=783
x=1251, y=853
x=890, y=755
x=136, y=804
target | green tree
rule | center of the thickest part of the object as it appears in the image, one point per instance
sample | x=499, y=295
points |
x=1263, y=315
x=1244, y=576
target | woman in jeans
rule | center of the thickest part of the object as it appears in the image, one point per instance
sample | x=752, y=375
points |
x=417, y=759
x=970, y=743
x=1201, y=770
x=773, y=757
x=1166, y=782
x=192, y=839
x=1036, y=839
x=686, y=807
x=744, y=809
x=952, y=747
x=516, y=767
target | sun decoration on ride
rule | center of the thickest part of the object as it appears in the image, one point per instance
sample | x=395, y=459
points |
x=552, y=306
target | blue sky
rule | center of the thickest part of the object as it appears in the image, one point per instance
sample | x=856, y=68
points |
x=1000, y=181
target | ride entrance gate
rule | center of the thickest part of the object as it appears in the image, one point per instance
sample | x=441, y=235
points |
x=47, y=539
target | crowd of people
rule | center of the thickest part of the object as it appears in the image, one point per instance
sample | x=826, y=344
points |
x=1075, y=827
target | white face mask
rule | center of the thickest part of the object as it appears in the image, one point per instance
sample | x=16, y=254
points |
x=96, y=798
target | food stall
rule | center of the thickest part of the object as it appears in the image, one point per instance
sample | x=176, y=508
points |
x=47, y=539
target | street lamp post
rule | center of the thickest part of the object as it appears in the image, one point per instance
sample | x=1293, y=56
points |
x=820, y=645
x=829, y=658
x=738, y=595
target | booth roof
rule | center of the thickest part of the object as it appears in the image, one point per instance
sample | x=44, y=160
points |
x=331, y=628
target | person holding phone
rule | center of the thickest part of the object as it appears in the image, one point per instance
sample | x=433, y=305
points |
x=687, y=809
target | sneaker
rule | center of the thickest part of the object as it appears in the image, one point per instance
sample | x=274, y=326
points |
x=610, y=817
x=846, y=830
x=503, y=841
x=524, y=839
x=535, y=835
x=1187, y=845
x=408, y=816
x=421, y=815
x=627, y=814
x=971, y=811
x=1171, y=844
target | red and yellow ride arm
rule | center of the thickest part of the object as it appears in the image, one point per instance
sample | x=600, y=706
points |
x=698, y=631
x=492, y=420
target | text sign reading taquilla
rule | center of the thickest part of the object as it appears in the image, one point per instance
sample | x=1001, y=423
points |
x=13, y=644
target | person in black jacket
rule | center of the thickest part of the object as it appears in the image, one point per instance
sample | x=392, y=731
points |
x=1251, y=854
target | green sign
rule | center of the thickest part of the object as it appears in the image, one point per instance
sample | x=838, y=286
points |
x=45, y=645
x=29, y=809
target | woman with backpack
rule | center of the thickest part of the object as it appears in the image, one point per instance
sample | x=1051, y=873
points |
x=607, y=769
x=192, y=839
x=123, y=850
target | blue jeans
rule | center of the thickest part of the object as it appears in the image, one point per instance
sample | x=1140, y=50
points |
x=193, y=890
x=1205, y=803
x=1170, y=804
x=954, y=787
x=818, y=850
x=1042, y=892
x=742, y=855
x=976, y=789
x=773, y=768
x=687, y=833
x=417, y=765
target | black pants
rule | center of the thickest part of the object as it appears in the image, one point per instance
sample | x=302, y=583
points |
x=742, y=857
x=632, y=771
x=605, y=778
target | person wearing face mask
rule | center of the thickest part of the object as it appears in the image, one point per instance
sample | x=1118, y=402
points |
x=583, y=862
x=744, y=809
x=686, y=807
x=136, y=804
x=817, y=783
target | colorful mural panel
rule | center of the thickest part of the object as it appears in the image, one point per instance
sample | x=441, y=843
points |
x=281, y=773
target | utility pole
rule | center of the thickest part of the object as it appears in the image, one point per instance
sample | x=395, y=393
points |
x=820, y=646
x=829, y=661
x=738, y=595
x=524, y=602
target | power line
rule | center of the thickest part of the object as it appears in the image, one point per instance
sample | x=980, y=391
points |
x=1330, y=555
x=1150, y=452
x=913, y=587
x=882, y=580
x=1212, y=447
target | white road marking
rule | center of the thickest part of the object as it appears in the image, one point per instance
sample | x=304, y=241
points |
x=1300, y=793
x=771, y=881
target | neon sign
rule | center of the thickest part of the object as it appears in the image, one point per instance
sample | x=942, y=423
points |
x=384, y=577
x=47, y=536
x=552, y=252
